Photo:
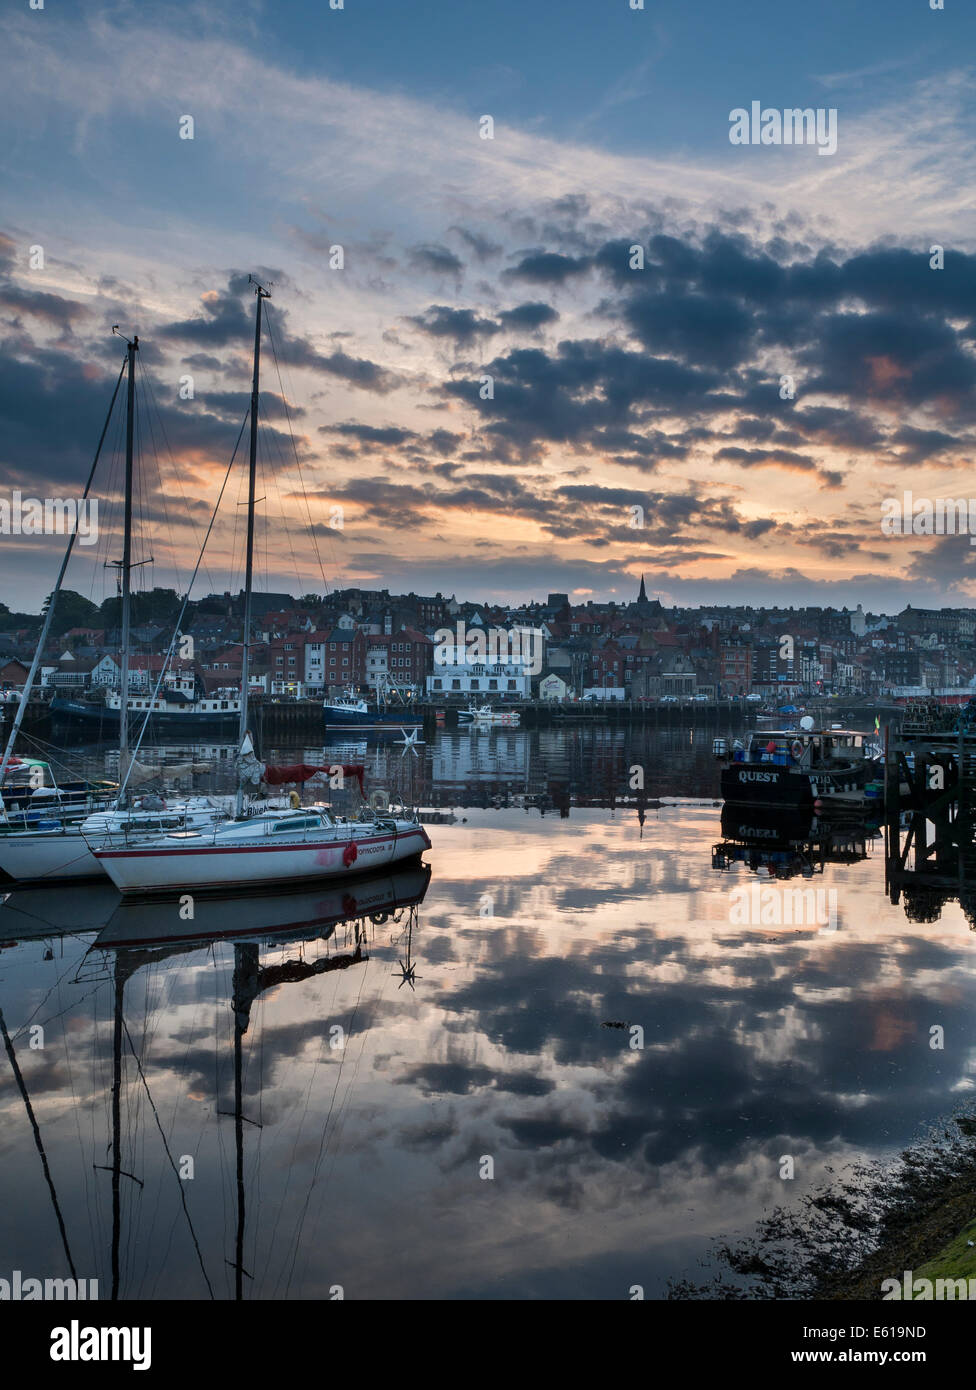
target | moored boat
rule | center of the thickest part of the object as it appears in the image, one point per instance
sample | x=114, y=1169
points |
x=65, y=850
x=277, y=847
x=798, y=767
x=350, y=713
x=488, y=714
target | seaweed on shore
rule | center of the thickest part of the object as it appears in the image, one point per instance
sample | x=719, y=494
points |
x=841, y=1240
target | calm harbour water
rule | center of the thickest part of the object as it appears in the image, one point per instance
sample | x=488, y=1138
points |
x=374, y=1100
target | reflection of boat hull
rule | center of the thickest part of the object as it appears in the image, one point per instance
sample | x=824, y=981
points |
x=763, y=824
x=488, y=717
x=350, y=721
x=40, y=913
x=265, y=914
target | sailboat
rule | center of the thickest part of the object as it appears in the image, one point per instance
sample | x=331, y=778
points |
x=273, y=847
x=62, y=848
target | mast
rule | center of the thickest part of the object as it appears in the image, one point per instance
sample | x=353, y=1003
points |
x=262, y=294
x=49, y=615
x=126, y=565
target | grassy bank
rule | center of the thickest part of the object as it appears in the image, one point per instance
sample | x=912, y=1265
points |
x=841, y=1242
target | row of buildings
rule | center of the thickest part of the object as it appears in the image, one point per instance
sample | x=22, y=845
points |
x=369, y=640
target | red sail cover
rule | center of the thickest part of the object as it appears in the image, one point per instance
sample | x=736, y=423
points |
x=276, y=773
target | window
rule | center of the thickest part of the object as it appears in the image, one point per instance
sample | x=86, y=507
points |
x=437, y=683
x=513, y=685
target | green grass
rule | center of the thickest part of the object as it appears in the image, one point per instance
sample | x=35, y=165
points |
x=957, y=1260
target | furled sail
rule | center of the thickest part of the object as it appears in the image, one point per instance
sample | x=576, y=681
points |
x=252, y=771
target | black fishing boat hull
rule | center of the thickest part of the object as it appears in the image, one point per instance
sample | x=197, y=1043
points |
x=765, y=784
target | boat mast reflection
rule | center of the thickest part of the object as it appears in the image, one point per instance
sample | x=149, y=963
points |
x=143, y=934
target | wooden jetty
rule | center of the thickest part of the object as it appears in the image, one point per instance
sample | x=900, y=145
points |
x=930, y=814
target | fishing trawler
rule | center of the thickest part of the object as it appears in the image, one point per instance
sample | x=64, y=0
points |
x=350, y=713
x=799, y=767
x=180, y=707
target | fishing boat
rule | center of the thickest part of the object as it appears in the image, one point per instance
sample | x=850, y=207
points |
x=799, y=767
x=270, y=847
x=180, y=708
x=350, y=713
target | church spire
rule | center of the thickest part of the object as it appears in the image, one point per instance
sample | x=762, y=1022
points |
x=642, y=596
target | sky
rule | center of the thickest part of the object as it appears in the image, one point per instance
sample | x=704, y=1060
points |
x=725, y=419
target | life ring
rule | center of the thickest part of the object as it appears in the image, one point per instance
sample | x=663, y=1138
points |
x=796, y=748
x=350, y=854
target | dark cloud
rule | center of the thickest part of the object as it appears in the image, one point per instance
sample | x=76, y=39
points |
x=528, y=316
x=438, y=259
x=547, y=267
x=463, y=325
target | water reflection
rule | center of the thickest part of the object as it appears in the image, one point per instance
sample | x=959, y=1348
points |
x=473, y=1029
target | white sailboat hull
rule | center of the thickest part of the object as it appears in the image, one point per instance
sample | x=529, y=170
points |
x=45, y=854
x=67, y=852
x=185, y=869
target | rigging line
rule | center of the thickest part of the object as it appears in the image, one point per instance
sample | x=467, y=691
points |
x=54, y=1017
x=76, y=1109
x=338, y=1128
x=147, y=378
x=37, y=1140
x=162, y=1134
x=49, y=615
x=275, y=456
x=149, y=407
x=169, y=652
x=291, y=1166
x=301, y=477
x=325, y=1130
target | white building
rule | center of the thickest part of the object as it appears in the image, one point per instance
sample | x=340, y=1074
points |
x=553, y=687
x=454, y=674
